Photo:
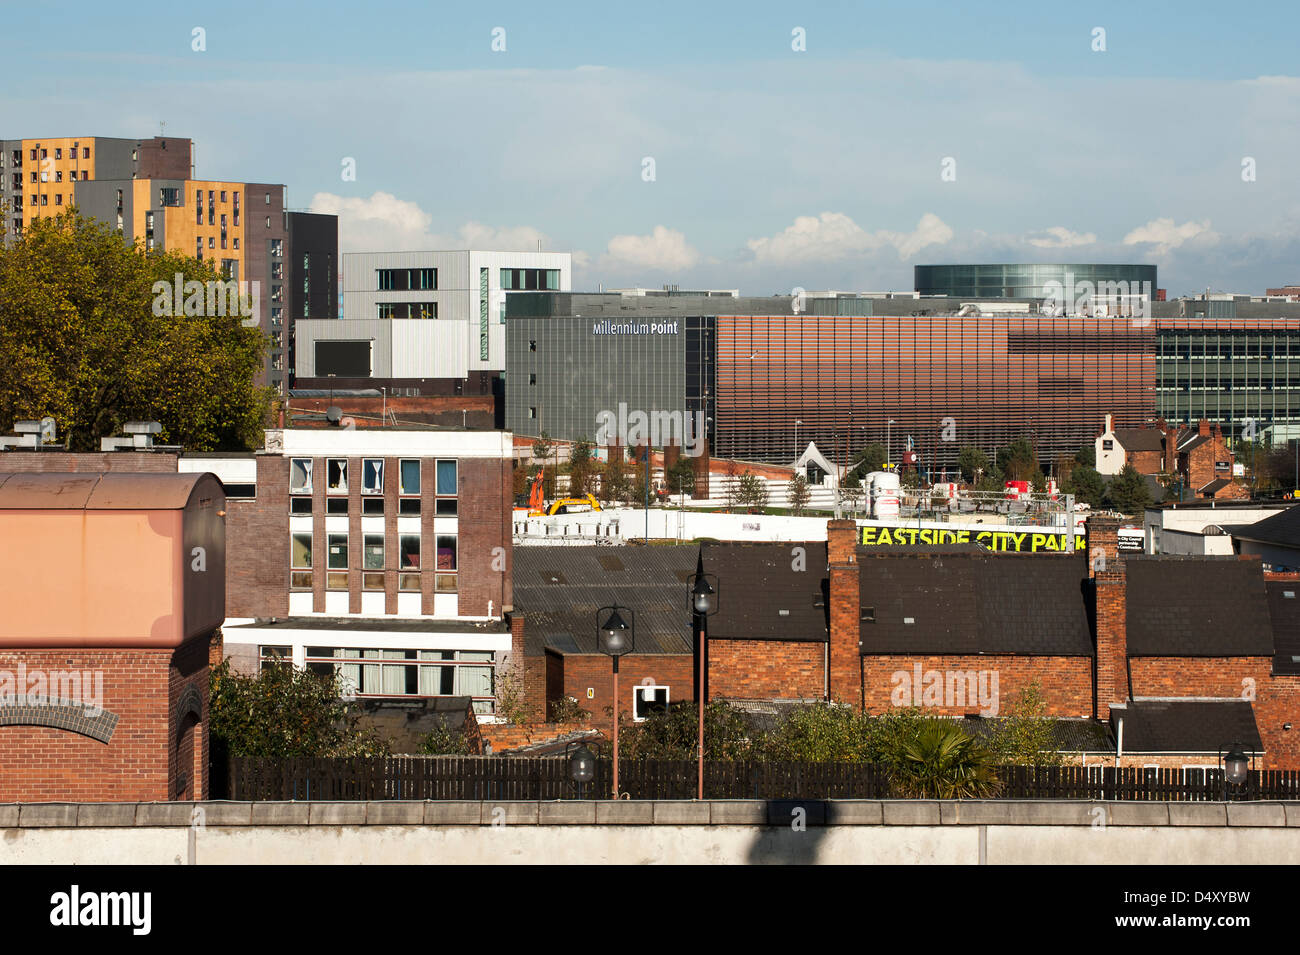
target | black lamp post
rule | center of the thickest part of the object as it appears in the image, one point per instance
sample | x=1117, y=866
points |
x=581, y=764
x=1236, y=768
x=615, y=636
x=704, y=603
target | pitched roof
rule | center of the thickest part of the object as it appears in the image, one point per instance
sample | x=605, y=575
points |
x=1071, y=734
x=1194, y=442
x=967, y=603
x=560, y=588
x=1284, y=608
x=1197, y=606
x=1187, y=726
x=770, y=590
x=1282, y=529
x=1140, y=439
x=1213, y=487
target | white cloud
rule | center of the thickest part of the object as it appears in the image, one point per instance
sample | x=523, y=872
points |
x=385, y=223
x=1164, y=234
x=833, y=235
x=1059, y=237
x=664, y=250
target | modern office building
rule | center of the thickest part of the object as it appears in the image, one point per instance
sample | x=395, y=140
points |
x=423, y=323
x=849, y=371
x=1032, y=280
x=146, y=190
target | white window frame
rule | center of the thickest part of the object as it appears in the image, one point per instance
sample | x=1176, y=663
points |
x=366, y=464
x=343, y=476
x=637, y=693
x=306, y=489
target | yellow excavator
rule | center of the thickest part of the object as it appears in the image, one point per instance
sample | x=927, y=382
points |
x=537, y=507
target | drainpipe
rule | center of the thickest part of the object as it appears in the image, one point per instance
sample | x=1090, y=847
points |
x=1119, y=742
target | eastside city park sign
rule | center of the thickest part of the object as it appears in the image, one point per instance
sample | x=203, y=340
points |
x=1025, y=539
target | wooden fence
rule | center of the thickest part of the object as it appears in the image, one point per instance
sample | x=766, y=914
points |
x=511, y=777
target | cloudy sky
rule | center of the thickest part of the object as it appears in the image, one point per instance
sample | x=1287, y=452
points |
x=756, y=145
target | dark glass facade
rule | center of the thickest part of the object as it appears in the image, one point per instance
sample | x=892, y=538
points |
x=1025, y=280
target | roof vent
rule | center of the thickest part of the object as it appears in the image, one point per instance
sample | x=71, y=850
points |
x=32, y=434
x=139, y=437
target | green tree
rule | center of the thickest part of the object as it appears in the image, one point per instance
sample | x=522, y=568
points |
x=1086, y=455
x=971, y=460
x=581, y=467
x=797, y=493
x=823, y=732
x=85, y=337
x=1027, y=735
x=285, y=712
x=941, y=762
x=544, y=461
x=871, y=458
x=1017, y=460
x=1128, y=492
x=444, y=741
x=615, y=484
x=681, y=477
x=1086, y=485
x=753, y=492
x=674, y=733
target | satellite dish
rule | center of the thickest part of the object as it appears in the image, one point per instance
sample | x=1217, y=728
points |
x=333, y=414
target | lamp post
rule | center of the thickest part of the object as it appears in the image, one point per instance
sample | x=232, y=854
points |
x=1236, y=766
x=615, y=637
x=581, y=764
x=797, y=422
x=888, y=455
x=704, y=604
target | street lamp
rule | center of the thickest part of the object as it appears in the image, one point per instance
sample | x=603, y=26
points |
x=581, y=764
x=1236, y=766
x=615, y=637
x=797, y=452
x=704, y=603
x=888, y=455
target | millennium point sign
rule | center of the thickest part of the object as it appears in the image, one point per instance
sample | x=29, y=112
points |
x=1029, y=540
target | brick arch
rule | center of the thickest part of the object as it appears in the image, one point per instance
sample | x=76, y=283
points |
x=60, y=714
x=189, y=702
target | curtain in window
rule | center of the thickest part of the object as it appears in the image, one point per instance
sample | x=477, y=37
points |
x=370, y=680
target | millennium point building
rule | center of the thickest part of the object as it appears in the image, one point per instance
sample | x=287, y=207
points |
x=146, y=189
x=852, y=370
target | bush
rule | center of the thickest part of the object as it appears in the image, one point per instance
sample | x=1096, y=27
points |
x=567, y=710
x=444, y=741
x=674, y=734
x=941, y=762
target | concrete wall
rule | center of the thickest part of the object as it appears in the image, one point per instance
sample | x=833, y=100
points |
x=719, y=832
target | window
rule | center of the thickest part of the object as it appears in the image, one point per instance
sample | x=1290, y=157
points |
x=168, y=196
x=58, y=153
x=409, y=560
x=336, y=505
x=647, y=700
x=372, y=476
x=337, y=560
x=85, y=152
x=408, y=672
x=406, y=280
x=336, y=474
x=299, y=505
x=300, y=475
x=300, y=560
x=446, y=488
x=410, y=477
x=445, y=581
x=422, y=310
x=274, y=656
x=58, y=175
x=533, y=280
x=212, y=242
x=373, y=556
x=532, y=344
x=223, y=197
x=372, y=505
x=268, y=222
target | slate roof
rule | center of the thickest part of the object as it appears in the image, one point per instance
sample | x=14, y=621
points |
x=1140, y=439
x=1285, y=611
x=559, y=588
x=1187, y=726
x=1195, y=442
x=1213, y=487
x=1071, y=735
x=768, y=591
x=1029, y=604
x=1282, y=529
x=1197, y=607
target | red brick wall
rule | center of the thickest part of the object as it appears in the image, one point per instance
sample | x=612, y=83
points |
x=257, y=545
x=1111, y=587
x=1276, y=699
x=149, y=749
x=1146, y=462
x=845, y=598
x=485, y=563
x=1066, y=682
x=766, y=670
x=594, y=671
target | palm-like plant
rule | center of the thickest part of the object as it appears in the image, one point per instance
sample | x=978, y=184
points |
x=941, y=762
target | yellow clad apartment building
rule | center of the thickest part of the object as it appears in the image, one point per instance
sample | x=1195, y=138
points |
x=147, y=190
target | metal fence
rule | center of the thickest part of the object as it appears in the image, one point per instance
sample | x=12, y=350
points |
x=512, y=777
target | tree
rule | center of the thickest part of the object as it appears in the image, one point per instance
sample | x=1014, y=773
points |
x=871, y=458
x=1086, y=485
x=753, y=492
x=942, y=762
x=823, y=732
x=1027, y=736
x=1128, y=491
x=969, y=461
x=797, y=493
x=673, y=733
x=733, y=486
x=1017, y=460
x=615, y=484
x=285, y=712
x=543, y=450
x=86, y=337
x=681, y=477
x=581, y=467
x=1086, y=455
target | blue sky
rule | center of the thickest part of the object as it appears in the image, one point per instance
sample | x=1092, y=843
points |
x=772, y=167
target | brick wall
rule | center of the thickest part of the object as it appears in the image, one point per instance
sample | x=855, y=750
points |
x=1110, y=589
x=890, y=681
x=485, y=564
x=52, y=461
x=257, y=545
x=845, y=622
x=157, y=750
x=766, y=670
x=593, y=671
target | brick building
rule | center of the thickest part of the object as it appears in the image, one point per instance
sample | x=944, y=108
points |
x=1165, y=658
x=113, y=585
x=1198, y=457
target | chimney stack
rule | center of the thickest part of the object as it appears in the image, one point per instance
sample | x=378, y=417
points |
x=845, y=612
